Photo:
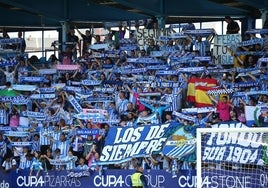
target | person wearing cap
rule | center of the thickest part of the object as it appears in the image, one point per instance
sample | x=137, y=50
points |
x=232, y=26
x=138, y=180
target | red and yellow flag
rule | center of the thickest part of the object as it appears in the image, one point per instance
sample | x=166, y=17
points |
x=194, y=82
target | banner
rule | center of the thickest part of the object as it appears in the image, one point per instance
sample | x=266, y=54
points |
x=16, y=134
x=47, y=71
x=198, y=110
x=24, y=87
x=68, y=67
x=220, y=52
x=183, y=116
x=243, y=94
x=75, y=89
x=86, y=131
x=47, y=90
x=151, y=101
x=137, y=71
x=248, y=178
x=166, y=72
x=100, y=111
x=180, y=144
x=20, y=101
x=10, y=41
x=89, y=116
x=22, y=144
x=144, y=60
x=191, y=69
x=11, y=98
x=252, y=114
x=201, y=32
x=75, y=104
x=33, y=114
x=99, y=46
x=90, y=82
x=99, y=99
x=246, y=84
x=257, y=31
x=147, y=120
x=255, y=178
x=252, y=42
x=43, y=96
x=35, y=79
x=124, y=143
x=235, y=147
x=108, y=178
x=149, y=94
x=104, y=90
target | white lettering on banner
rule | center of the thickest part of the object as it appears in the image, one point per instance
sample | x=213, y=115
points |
x=119, y=181
x=108, y=181
x=134, y=134
x=187, y=181
x=143, y=35
x=226, y=181
x=4, y=184
x=245, y=139
x=119, y=152
x=263, y=180
x=30, y=181
x=47, y=181
x=235, y=154
x=156, y=132
x=234, y=147
x=129, y=142
x=220, y=52
x=130, y=134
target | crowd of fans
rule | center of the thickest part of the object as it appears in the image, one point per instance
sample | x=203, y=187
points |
x=122, y=91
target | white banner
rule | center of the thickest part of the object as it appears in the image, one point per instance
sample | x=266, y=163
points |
x=220, y=52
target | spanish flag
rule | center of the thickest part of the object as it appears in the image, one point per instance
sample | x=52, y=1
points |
x=201, y=97
x=194, y=82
